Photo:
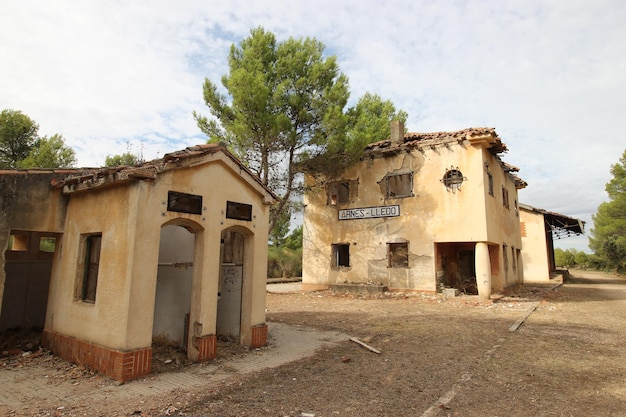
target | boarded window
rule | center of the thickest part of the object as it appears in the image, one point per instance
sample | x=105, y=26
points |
x=340, y=255
x=399, y=185
x=339, y=192
x=238, y=211
x=398, y=255
x=184, y=203
x=92, y=245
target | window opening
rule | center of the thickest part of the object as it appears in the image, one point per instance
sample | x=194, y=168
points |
x=505, y=257
x=341, y=255
x=452, y=179
x=490, y=182
x=238, y=211
x=18, y=242
x=339, y=192
x=184, y=203
x=505, y=197
x=399, y=185
x=398, y=255
x=47, y=244
x=93, y=244
x=513, y=260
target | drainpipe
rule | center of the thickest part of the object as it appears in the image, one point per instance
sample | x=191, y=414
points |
x=483, y=270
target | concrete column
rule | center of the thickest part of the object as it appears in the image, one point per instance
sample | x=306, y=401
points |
x=483, y=270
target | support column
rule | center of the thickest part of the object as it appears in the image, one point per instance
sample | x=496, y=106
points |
x=483, y=270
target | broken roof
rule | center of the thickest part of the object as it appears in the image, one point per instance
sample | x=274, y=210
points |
x=86, y=179
x=420, y=141
x=560, y=224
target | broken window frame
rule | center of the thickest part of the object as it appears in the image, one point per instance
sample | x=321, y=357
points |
x=453, y=179
x=92, y=248
x=399, y=185
x=340, y=255
x=341, y=192
x=398, y=254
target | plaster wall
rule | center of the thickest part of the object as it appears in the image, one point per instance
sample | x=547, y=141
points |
x=27, y=202
x=534, y=247
x=433, y=214
x=130, y=217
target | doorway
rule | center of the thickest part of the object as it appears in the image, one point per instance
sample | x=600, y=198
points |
x=230, y=286
x=173, y=288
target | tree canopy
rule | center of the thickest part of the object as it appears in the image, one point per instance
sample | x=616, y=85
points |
x=284, y=105
x=609, y=232
x=18, y=134
x=21, y=146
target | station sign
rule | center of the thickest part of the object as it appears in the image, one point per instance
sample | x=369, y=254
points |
x=369, y=212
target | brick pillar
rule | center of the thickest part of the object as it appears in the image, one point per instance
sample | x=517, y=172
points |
x=207, y=347
x=259, y=335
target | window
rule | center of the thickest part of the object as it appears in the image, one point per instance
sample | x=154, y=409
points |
x=238, y=211
x=398, y=255
x=513, y=256
x=18, y=242
x=184, y=203
x=47, y=244
x=399, y=185
x=341, y=255
x=339, y=192
x=490, y=182
x=92, y=245
x=505, y=197
x=452, y=179
x=505, y=257
x=516, y=207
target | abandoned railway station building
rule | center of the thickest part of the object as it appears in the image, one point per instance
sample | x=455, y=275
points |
x=109, y=261
x=419, y=211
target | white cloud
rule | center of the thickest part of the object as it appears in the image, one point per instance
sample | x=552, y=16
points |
x=549, y=76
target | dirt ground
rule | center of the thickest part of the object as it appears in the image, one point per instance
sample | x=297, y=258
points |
x=439, y=357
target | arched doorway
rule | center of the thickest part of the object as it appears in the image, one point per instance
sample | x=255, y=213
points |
x=231, y=282
x=174, y=286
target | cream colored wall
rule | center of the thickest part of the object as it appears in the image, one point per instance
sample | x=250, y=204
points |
x=433, y=215
x=534, y=247
x=130, y=218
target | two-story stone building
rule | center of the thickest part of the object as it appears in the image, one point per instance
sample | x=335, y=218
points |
x=419, y=211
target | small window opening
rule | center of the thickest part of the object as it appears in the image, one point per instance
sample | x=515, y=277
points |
x=399, y=185
x=505, y=257
x=505, y=197
x=339, y=193
x=513, y=260
x=18, y=242
x=184, y=203
x=341, y=255
x=238, y=211
x=47, y=244
x=490, y=182
x=398, y=255
x=452, y=179
x=93, y=244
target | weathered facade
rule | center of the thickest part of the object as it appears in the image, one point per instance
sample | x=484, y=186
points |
x=420, y=211
x=173, y=251
x=539, y=228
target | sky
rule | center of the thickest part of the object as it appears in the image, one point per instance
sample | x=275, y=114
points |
x=113, y=76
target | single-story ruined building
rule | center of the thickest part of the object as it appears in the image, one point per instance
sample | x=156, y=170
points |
x=419, y=211
x=539, y=228
x=109, y=261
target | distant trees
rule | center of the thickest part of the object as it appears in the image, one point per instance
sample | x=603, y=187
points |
x=608, y=236
x=124, y=159
x=22, y=147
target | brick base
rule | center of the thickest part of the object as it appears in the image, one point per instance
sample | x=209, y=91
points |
x=207, y=347
x=121, y=365
x=259, y=335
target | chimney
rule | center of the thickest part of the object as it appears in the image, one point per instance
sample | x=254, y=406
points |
x=397, y=131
